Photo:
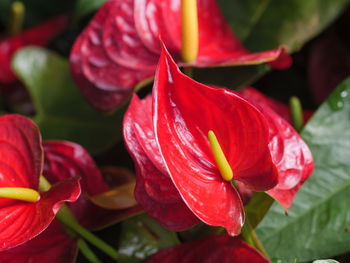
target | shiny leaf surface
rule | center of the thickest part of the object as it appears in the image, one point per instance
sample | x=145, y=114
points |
x=319, y=216
x=62, y=112
x=266, y=24
x=141, y=237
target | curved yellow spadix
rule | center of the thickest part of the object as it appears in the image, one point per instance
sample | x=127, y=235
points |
x=189, y=30
x=220, y=159
x=19, y=193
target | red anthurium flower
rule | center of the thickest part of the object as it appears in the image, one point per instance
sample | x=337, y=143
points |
x=254, y=95
x=172, y=151
x=21, y=164
x=38, y=36
x=120, y=47
x=53, y=245
x=65, y=160
x=210, y=249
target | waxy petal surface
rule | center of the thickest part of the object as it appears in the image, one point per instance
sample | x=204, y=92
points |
x=120, y=47
x=253, y=95
x=53, y=245
x=183, y=113
x=37, y=36
x=64, y=160
x=210, y=249
x=154, y=189
x=22, y=221
x=289, y=152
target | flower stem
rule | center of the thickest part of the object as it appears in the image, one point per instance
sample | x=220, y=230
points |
x=66, y=217
x=16, y=18
x=249, y=235
x=296, y=113
x=87, y=252
x=86, y=234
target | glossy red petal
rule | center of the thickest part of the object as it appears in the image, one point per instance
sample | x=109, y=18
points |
x=104, y=83
x=64, y=160
x=283, y=110
x=210, y=249
x=120, y=47
x=289, y=152
x=154, y=189
x=53, y=245
x=38, y=36
x=21, y=153
x=22, y=221
x=184, y=112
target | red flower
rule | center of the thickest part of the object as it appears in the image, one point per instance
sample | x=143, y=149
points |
x=210, y=249
x=177, y=176
x=37, y=36
x=65, y=160
x=120, y=47
x=21, y=165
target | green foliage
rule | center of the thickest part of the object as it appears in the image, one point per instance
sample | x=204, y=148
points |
x=141, y=237
x=84, y=7
x=61, y=111
x=266, y=24
x=319, y=219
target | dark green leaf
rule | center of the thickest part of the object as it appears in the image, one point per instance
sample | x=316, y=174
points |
x=141, y=237
x=84, y=7
x=319, y=219
x=62, y=112
x=257, y=207
x=266, y=24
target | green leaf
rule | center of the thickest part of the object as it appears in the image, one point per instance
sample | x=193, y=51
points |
x=319, y=219
x=257, y=208
x=266, y=24
x=62, y=112
x=141, y=237
x=84, y=7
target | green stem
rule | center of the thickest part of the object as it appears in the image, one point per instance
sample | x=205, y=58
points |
x=16, y=18
x=249, y=235
x=83, y=232
x=296, y=112
x=66, y=217
x=87, y=252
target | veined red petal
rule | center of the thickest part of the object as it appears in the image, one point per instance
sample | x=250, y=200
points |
x=253, y=95
x=53, y=245
x=154, y=189
x=210, y=249
x=120, y=47
x=21, y=221
x=289, y=152
x=183, y=113
x=38, y=36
